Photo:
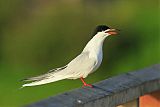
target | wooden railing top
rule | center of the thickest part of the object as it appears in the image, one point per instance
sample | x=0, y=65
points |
x=110, y=92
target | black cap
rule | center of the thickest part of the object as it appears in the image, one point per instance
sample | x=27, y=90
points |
x=100, y=28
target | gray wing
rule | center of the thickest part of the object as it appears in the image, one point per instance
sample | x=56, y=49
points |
x=82, y=65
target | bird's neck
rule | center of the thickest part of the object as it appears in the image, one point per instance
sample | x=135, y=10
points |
x=94, y=46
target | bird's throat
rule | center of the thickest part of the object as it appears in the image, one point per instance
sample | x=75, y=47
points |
x=94, y=47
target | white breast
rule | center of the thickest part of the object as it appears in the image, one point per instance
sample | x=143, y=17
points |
x=94, y=47
x=99, y=57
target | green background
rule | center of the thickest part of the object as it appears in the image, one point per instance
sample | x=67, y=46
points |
x=38, y=35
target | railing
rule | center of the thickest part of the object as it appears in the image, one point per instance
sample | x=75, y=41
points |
x=123, y=91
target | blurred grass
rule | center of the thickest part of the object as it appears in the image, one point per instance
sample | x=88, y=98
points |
x=36, y=36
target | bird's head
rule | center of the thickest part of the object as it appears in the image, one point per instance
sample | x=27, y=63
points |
x=103, y=30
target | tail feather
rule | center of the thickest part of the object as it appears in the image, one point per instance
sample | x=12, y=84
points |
x=44, y=81
x=37, y=78
x=46, y=78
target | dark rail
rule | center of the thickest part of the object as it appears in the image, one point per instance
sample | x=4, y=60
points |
x=110, y=92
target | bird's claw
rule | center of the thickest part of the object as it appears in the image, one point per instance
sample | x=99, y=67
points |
x=87, y=85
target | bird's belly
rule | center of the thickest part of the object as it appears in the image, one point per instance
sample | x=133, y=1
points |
x=97, y=66
x=99, y=61
x=85, y=73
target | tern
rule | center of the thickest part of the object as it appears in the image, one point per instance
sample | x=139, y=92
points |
x=84, y=64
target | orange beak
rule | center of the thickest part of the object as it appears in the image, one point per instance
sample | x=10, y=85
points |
x=112, y=31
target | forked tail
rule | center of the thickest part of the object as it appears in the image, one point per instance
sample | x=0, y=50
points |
x=44, y=81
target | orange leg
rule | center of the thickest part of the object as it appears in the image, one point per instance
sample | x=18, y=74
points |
x=85, y=84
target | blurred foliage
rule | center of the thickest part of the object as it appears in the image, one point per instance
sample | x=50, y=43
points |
x=37, y=35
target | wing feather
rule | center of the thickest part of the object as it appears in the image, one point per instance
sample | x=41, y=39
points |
x=82, y=65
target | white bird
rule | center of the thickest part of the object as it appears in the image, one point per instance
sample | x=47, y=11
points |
x=85, y=63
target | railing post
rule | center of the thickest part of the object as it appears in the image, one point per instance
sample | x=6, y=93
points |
x=150, y=100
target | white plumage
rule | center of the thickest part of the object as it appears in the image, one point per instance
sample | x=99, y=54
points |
x=85, y=63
